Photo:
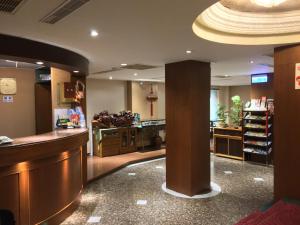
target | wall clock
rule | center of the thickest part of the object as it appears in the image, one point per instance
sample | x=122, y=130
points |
x=8, y=86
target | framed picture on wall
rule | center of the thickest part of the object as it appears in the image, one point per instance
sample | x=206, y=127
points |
x=8, y=86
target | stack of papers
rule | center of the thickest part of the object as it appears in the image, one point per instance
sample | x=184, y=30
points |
x=5, y=140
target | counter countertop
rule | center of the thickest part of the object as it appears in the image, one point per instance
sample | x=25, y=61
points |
x=47, y=137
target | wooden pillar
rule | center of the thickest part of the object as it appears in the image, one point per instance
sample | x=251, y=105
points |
x=187, y=118
x=286, y=123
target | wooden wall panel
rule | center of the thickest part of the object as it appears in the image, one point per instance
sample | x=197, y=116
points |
x=187, y=118
x=43, y=108
x=62, y=181
x=286, y=124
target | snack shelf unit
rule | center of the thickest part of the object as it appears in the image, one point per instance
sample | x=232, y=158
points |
x=257, y=136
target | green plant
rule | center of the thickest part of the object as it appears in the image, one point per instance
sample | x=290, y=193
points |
x=221, y=113
x=235, y=111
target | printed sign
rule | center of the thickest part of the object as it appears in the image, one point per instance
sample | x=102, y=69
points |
x=8, y=99
x=297, y=77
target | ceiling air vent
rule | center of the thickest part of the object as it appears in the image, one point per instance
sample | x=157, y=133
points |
x=63, y=10
x=139, y=67
x=222, y=76
x=10, y=6
x=266, y=65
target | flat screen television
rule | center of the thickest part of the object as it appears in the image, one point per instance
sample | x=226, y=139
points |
x=259, y=79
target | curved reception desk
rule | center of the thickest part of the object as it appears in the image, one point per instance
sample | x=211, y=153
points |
x=42, y=176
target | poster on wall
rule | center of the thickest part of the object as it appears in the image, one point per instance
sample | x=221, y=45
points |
x=297, y=77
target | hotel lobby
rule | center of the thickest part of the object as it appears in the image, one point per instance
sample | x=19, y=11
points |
x=149, y=112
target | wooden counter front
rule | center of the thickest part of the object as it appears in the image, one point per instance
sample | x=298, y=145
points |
x=42, y=176
x=228, y=142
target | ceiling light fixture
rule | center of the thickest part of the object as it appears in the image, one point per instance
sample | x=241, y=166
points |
x=251, y=61
x=123, y=64
x=94, y=33
x=268, y=3
x=188, y=51
x=110, y=77
x=40, y=63
x=135, y=74
x=75, y=71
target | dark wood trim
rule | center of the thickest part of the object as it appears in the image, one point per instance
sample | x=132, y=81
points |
x=21, y=49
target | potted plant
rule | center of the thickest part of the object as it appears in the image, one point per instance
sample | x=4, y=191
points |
x=221, y=122
x=236, y=111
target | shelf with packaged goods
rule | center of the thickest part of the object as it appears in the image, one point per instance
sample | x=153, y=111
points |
x=257, y=118
x=257, y=135
x=258, y=143
x=257, y=151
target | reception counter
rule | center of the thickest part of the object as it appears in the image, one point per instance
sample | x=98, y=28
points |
x=42, y=176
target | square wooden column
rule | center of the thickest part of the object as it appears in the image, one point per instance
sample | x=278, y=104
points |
x=187, y=119
x=286, y=123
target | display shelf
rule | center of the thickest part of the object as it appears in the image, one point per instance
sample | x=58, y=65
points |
x=256, y=118
x=257, y=151
x=257, y=135
x=252, y=134
x=257, y=126
x=258, y=143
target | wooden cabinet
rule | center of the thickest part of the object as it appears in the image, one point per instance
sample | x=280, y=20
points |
x=114, y=141
x=228, y=143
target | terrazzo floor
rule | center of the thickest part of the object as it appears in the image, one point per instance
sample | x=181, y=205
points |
x=113, y=199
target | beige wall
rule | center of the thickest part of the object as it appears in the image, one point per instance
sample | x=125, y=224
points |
x=243, y=91
x=141, y=105
x=17, y=119
x=58, y=76
x=105, y=95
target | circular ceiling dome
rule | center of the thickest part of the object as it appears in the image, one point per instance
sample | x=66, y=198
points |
x=250, y=22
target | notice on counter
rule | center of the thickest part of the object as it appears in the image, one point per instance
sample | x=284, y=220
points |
x=8, y=99
x=297, y=77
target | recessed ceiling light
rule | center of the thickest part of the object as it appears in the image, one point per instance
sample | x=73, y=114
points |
x=123, y=64
x=135, y=74
x=110, y=77
x=188, y=51
x=40, y=63
x=226, y=75
x=94, y=33
x=268, y=3
x=251, y=61
x=75, y=71
x=10, y=61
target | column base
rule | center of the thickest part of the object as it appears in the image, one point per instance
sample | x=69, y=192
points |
x=215, y=190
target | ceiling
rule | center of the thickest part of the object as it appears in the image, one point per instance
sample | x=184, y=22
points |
x=245, y=23
x=135, y=32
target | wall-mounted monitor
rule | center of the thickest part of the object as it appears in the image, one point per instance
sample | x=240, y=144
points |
x=259, y=79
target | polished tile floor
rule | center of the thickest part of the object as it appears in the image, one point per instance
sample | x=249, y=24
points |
x=133, y=195
x=99, y=167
